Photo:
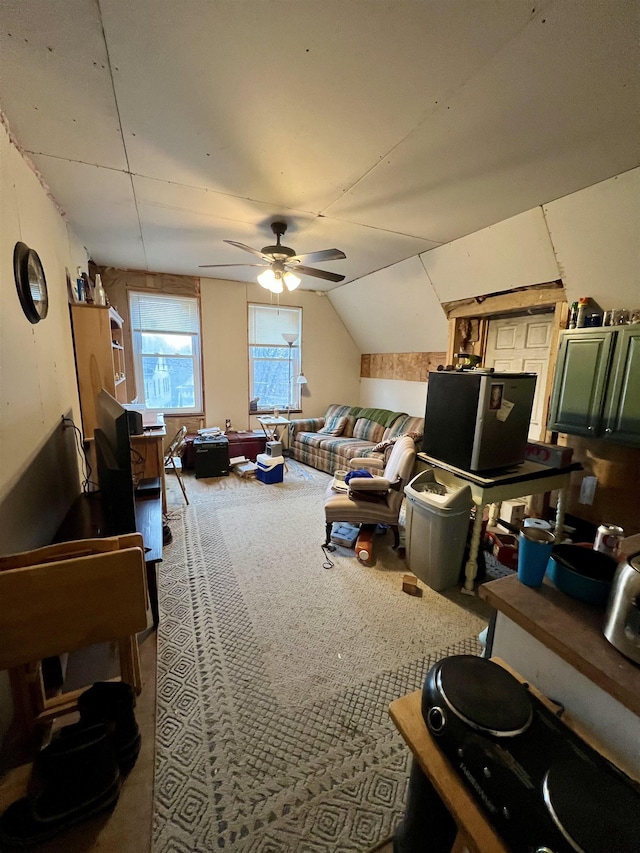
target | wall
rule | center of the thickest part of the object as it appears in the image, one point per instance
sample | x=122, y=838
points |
x=394, y=310
x=38, y=461
x=330, y=357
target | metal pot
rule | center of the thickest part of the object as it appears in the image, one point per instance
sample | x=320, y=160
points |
x=622, y=617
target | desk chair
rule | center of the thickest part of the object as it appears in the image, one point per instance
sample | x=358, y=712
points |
x=388, y=489
x=173, y=457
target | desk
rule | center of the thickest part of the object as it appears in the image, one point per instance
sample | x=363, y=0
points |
x=529, y=478
x=150, y=447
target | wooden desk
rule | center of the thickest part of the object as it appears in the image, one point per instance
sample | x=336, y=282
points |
x=474, y=830
x=150, y=447
x=529, y=478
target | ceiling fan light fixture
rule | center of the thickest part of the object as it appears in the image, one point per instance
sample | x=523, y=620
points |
x=266, y=279
x=291, y=280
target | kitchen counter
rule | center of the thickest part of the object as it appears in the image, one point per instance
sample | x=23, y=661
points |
x=557, y=643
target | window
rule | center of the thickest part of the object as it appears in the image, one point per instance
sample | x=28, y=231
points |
x=165, y=331
x=274, y=366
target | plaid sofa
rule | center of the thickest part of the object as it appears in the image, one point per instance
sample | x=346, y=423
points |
x=358, y=432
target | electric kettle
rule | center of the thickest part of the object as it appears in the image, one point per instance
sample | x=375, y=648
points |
x=622, y=617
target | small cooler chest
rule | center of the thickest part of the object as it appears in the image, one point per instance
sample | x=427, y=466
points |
x=270, y=468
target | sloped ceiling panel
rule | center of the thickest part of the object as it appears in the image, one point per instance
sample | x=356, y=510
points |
x=535, y=134
x=596, y=236
x=393, y=310
x=513, y=253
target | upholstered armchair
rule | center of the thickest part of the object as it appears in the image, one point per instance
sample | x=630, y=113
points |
x=374, y=500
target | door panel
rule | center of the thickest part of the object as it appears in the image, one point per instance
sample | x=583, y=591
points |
x=521, y=344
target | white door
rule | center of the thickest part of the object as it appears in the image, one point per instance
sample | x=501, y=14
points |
x=521, y=345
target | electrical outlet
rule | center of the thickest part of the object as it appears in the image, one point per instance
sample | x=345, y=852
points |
x=587, y=490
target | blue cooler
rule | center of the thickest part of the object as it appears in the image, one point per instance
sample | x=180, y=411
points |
x=270, y=468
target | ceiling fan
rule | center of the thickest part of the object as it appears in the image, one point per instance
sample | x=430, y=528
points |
x=282, y=263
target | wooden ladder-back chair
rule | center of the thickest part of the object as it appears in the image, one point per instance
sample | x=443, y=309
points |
x=66, y=597
x=173, y=457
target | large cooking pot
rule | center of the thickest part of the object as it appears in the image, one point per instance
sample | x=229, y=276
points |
x=622, y=619
x=582, y=573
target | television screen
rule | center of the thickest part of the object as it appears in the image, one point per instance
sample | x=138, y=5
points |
x=113, y=456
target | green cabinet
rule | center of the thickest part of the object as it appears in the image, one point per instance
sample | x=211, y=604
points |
x=596, y=390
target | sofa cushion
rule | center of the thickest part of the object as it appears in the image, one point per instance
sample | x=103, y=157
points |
x=336, y=410
x=333, y=426
x=367, y=430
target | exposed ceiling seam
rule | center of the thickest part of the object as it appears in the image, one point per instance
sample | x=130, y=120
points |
x=439, y=106
x=124, y=146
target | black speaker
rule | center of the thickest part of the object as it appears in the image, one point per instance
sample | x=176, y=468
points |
x=134, y=420
x=211, y=456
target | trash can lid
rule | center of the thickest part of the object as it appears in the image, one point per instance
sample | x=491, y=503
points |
x=425, y=489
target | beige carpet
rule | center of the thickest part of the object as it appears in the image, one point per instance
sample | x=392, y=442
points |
x=275, y=674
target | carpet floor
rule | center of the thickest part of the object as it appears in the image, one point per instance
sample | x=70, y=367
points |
x=275, y=674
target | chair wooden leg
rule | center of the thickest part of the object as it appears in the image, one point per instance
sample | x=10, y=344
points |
x=396, y=535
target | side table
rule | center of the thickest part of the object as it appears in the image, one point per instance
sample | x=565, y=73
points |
x=528, y=478
x=270, y=426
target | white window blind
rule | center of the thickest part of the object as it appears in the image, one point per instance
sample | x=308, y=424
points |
x=155, y=312
x=267, y=324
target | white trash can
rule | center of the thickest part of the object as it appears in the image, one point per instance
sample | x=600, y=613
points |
x=437, y=525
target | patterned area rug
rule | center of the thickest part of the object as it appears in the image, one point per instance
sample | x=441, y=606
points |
x=275, y=674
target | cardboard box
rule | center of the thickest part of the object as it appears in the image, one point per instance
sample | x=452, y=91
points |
x=551, y=455
x=513, y=511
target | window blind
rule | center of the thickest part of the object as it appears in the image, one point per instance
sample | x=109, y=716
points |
x=153, y=312
x=267, y=323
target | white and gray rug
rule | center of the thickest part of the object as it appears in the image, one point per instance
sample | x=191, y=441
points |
x=275, y=675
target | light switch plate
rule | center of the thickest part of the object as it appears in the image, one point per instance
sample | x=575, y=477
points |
x=587, y=490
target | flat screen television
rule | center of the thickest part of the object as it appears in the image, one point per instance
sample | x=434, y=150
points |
x=113, y=457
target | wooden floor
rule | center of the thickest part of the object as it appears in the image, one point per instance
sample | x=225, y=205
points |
x=127, y=829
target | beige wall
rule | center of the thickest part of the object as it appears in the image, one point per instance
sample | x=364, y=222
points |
x=330, y=358
x=37, y=373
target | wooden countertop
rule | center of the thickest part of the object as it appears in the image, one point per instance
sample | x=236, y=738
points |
x=572, y=630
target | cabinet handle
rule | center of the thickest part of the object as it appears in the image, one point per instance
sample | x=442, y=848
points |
x=608, y=429
x=590, y=428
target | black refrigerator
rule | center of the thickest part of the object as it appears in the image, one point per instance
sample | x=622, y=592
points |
x=477, y=420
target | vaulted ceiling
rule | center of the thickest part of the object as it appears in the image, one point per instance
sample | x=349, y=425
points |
x=381, y=127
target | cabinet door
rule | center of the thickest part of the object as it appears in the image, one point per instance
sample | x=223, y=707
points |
x=622, y=411
x=579, y=386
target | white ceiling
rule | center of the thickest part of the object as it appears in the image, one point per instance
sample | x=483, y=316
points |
x=380, y=127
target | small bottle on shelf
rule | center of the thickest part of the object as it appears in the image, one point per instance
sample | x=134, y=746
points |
x=80, y=286
x=99, y=293
x=573, y=315
x=583, y=309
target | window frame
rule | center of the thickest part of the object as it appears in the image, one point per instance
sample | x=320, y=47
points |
x=195, y=358
x=295, y=353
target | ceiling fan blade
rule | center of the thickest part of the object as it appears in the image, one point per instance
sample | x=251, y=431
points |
x=246, y=249
x=319, y=257
x=211, y=266
x=329, y=276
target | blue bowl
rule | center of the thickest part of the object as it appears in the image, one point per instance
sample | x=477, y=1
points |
x=582, y=573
